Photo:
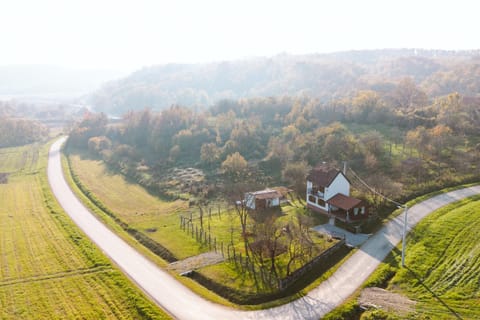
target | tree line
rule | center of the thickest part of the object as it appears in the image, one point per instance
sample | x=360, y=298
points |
x=18, y=131
x=400, y=141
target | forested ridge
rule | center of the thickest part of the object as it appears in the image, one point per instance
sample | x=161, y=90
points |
x=402, y=143
x=328, y=77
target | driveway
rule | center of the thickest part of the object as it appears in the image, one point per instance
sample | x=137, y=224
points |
x=182, y=303
x=352, y=239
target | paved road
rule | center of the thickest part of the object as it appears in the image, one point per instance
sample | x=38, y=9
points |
x=184, y=304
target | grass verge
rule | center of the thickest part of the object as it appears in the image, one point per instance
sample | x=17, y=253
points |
x=443, y=267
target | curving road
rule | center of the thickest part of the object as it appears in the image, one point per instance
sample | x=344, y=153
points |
x=182, y=303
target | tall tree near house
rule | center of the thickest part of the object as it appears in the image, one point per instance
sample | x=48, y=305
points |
x=235, y=193
x=383, y=185
x=266, y=246
x=295, y=173
x=300, y=244
x=234, y=166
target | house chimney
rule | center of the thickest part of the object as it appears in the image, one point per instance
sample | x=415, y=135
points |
x=345, y=168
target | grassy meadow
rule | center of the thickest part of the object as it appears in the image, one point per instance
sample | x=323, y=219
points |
x=136, y=207
x=443, y=262
x=48, y=268
x=443, y=268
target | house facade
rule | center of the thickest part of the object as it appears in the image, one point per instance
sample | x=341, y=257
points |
x=328, y=192
x=262, y=199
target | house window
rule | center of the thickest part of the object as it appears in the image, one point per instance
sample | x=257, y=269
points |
x=363, y=210
x=320, y=202
x=355, y=211
x=311, y=198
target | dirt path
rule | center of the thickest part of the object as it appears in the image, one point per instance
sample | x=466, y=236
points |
x=196, y=262
x=379, y=298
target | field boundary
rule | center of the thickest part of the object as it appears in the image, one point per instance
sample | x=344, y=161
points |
x=57, y=275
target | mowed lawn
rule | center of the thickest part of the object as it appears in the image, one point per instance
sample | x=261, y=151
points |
x=48, y=268
x=443, y=256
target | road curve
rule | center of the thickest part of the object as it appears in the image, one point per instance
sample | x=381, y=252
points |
x=182, y=303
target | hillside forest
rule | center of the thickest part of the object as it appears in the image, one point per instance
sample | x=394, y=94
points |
x=401, y=143
x=327, y=77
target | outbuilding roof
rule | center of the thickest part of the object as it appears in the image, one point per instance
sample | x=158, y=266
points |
x=267, y=194
x=344, y=202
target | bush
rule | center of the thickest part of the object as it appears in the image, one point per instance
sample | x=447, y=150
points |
x=350, y=310
x=378, y=315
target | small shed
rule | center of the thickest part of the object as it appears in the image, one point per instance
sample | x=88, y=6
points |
x=263, y=199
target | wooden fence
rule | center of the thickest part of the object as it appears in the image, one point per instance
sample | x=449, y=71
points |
x=287, y=281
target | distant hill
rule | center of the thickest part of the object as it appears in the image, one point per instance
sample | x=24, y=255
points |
x=45, y=80
x=325, y=76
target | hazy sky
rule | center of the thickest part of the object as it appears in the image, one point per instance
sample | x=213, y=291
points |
x=129, y=34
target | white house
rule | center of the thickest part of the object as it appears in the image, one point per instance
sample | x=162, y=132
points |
x=263, y=199
x=328, y=192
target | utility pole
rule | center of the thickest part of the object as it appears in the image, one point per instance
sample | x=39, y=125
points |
x=404, y=233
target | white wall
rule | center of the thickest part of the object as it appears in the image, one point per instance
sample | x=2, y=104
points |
x=339, y=185
x=250, y=201
x=275, y=202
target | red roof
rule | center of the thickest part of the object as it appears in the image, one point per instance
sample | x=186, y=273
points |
x=323, y=175
x=343, y=202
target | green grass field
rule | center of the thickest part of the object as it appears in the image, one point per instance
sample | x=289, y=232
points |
x=136, y=207
x=48, y=268
x=443, y=268
x=444, y=263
